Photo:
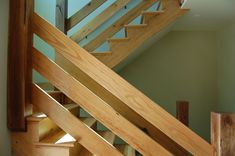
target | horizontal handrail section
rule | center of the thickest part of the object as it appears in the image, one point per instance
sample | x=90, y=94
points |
x=125, y=92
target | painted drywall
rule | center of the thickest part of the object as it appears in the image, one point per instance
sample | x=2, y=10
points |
x=180, y=66
x=226, y=72
x=4, y=134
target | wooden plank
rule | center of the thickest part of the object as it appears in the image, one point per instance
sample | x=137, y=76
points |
x=121, y=50
x=122, y=108
x=99, y=20
x=182, y=112
x=118, y=25
x=83, y=13
x=121, y=89
x=19, y=64
x=95, y=106
x=74, y=127
x=223, y=133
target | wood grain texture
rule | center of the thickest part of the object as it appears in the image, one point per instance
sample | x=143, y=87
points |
x=121, y=50
x=122, y=108
x=83, y=13
x=95, y=106
x=121, y=89
x=118, y=25
x=74, y=127
x=182, y=112
x=99, y=20
x=19, y=64
x=223, y=133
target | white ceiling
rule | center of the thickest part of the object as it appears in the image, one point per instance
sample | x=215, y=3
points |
x=207, y=15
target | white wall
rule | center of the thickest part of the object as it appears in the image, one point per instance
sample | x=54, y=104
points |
x=226, y=68
x=180, y=66
x=4, y=135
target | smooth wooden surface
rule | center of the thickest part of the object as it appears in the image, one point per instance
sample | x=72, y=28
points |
x=223, y=133
x=99, y=20
x=122, y=108
x=19, y=64
x=121, y=50
x=95, y=106
x=83, y=13
x=118, y=25
x=74, y=127
x=182, y=112
x=121, y=89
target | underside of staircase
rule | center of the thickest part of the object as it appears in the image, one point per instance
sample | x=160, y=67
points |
x=87, y=109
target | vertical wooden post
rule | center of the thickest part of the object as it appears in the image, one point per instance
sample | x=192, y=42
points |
x=223, y=133
x=182, y=112
x=19, y=64
x=61, y=16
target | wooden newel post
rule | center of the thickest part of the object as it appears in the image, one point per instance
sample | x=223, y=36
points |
x=19, y=64
x=223, y=133
x=182, y=112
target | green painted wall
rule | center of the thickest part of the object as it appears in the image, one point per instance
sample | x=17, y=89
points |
x=4, y=134
x=226, y=68
x=181, y=66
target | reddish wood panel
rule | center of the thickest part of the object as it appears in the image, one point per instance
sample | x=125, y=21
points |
x=19, y=68
x=182, y=112
x=223, y=133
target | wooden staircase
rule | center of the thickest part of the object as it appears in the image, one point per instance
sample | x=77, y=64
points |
x=83, y=82
x=46, y=138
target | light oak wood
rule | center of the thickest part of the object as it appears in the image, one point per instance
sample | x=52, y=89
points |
x=223, y=133
x=118, y=25
x=125, y=92
x=95, y=106
x=82, y=133
x=121, y=50
x=148, y=15
x=122, y=108
x=83, y=13
x=99, y=20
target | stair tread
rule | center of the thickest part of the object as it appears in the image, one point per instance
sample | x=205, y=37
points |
x=101, y=53
x=152, y=12
x=61, y=138
x=126, y=150
x=118, y=39
x=135, y=25
x=41, y=116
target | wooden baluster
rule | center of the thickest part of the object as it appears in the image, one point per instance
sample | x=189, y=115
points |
x=182, y=112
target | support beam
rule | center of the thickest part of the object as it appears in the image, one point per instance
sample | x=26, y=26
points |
x=19, y=64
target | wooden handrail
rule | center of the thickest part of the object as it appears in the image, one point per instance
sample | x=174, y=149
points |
x=83, y=13
x=125, y=92
x=95, y=106
x=85, y=136
x=118, y=25
x=99, y=20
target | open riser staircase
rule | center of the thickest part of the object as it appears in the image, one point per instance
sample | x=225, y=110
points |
x=81, y=81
